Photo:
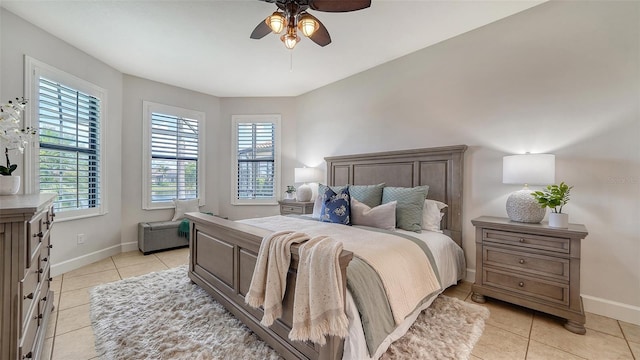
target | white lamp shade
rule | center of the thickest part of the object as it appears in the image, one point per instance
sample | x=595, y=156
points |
x=532, y=169
x=306, y=175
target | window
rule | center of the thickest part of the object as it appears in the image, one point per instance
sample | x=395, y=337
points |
x=256, y=163
x=174, y=155
x=68, y=158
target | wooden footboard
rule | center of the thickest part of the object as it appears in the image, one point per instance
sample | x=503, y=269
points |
x=222, y=258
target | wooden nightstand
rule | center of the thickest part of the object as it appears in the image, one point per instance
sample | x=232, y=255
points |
x=531, y=265
x=295, y=207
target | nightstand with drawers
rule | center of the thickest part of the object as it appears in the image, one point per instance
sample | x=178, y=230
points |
x=531, y=265
x=296, y=207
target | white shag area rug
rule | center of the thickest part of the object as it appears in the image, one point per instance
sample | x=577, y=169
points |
x=163, y=315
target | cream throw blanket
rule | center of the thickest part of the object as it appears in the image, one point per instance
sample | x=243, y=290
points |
x=269, y=280
x=318, y=307
x=407, y=275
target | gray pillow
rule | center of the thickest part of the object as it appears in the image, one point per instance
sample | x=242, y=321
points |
x=370, y=195
x=410, y=205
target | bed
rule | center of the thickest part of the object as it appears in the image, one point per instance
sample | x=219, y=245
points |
x=223, y=253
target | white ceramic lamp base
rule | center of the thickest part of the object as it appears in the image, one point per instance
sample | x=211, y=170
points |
x=522, y=207
x=304, y=192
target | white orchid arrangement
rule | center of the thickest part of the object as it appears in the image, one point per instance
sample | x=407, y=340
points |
x=12, y=135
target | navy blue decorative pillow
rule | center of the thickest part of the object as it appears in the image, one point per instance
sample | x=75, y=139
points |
x=335, y=208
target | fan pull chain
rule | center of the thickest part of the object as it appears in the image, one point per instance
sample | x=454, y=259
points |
x=290, y=60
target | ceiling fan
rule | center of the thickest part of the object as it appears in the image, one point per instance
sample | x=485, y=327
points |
x=292, y=15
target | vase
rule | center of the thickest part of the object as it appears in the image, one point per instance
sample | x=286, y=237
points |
x=557, y=220
x=9, y=185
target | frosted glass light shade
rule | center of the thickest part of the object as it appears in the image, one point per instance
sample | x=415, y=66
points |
x=532, y=169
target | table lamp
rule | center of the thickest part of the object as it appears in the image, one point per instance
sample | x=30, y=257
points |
x=305, y=175
x=527, y=169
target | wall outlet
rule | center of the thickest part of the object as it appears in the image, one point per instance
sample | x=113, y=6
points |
x=81, y=238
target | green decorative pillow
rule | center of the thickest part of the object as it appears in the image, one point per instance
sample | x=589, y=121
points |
x=410, y=205
x=370, y=195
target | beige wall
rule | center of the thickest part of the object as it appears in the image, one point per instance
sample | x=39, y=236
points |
x=19, y=38
x=562, y=77
x=135, y=91
x=285, y=106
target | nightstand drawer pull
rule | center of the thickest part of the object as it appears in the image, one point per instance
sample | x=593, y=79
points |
x=28, y=356
x=521, y=261
x=521, y=284
x=30, y=296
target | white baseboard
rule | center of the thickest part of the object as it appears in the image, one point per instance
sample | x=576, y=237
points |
x=471, y=275
x=76, y=263
x=613, y=309
x=130, y=246
x=595, y=305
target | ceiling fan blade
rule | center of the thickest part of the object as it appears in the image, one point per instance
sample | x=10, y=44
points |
x=261, y=30
x=339, y=5
x=321, y=36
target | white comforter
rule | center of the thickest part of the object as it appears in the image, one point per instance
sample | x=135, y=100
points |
x=450, y=262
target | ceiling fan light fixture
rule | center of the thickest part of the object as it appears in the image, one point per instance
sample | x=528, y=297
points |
x=276, y=22
x=308, y=25
x=290, y=39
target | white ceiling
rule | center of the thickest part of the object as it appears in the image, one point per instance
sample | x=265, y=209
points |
x=205, y=46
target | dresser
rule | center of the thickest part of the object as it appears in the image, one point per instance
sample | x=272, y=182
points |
x=531, y=265
x=26, y=300
x=296, y=207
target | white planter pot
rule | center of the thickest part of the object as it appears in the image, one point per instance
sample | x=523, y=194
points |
x=9, y=185
x=559, y=220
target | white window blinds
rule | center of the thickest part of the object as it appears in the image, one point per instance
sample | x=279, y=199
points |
x=174, y=158
x=69, y=154
x=256, y=159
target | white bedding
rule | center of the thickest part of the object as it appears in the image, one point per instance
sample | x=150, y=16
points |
x=450, y=261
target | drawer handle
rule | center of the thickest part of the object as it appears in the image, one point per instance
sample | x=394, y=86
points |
x=46, y=259
x=29, y=355
x=521, y=240
x=40, y=271
x=47, y=222
x=50, y=279
x=521, y=261
x=50, y=246
x=40, y=234
x=44, y=299
x=37, y=317
x=521, y=284
x=30, y=296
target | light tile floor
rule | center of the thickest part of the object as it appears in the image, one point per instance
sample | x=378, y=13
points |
x=511, y=333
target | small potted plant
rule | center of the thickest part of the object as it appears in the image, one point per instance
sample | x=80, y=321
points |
x=290, y=193
x=555, y=197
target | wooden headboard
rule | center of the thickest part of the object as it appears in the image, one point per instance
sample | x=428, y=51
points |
x=441, y=168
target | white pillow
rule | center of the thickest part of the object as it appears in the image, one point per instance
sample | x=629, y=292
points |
x=382, y=216
x=185, y=206
x=432, y=215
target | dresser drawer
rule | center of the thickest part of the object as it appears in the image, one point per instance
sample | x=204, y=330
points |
x=36, y=229
x=526, y=286
x=289, y=209
x=548, y=266
x=28, y=293
x=28, y=337
x=547, y=243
